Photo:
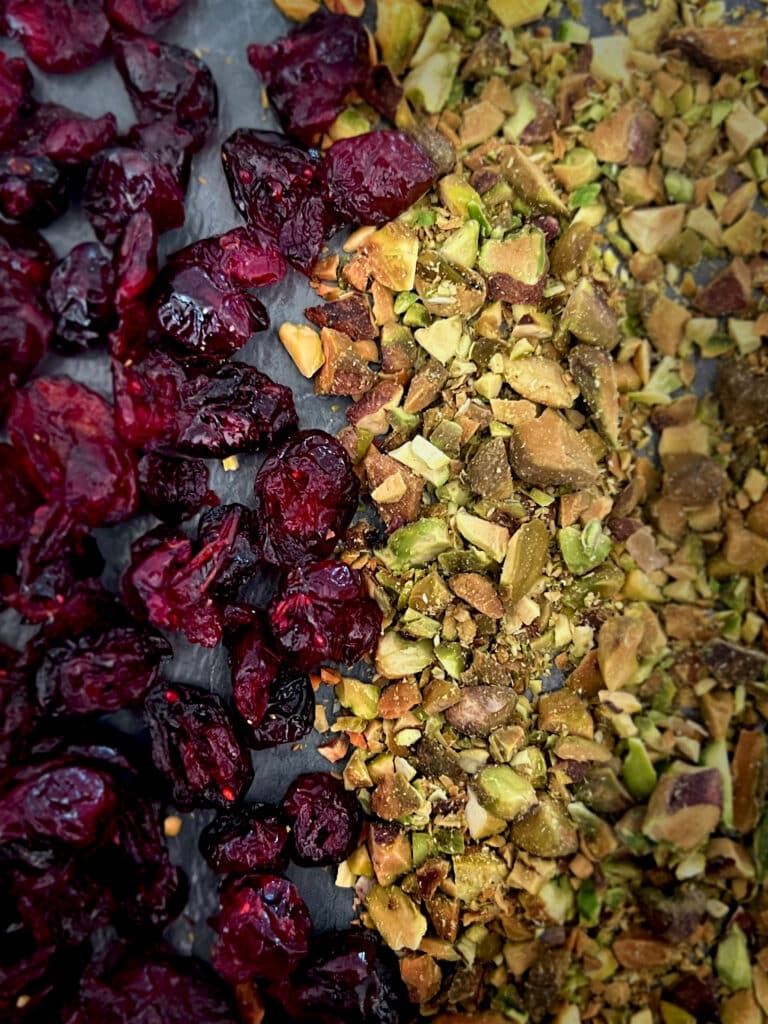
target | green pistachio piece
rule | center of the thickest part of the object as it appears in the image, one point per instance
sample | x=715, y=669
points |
x=732, y=960
x=638, y=772
x=583, y=550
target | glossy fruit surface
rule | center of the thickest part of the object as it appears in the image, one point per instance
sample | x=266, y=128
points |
x=252, y=839
x=325, y=819
x=59, y=35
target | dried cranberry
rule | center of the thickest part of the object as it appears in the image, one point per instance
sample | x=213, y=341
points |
x=59, y=35
x=25, y=255
x=254, y=667
x=63, y=135
x=325, y=819
x=148, y=400
x=17, y=498
x=81, y=296
x=130, y=338
x=102, y=672
x=15, y=90
x=290, y=711
x=164, y=80
x=120, y=182
x=382, y=91
x=147, y=986
x=275, y=186
x=309, y=72
x=322, y=613
x=66, y=436
x=196, y=746
x=170, y=583
x=263, y=929
x=141, y=15
x=202, y=305
x=349, y=977
x=350, y=315
x=243, y=554
x=235, y=408
x=61, y=803
x=252, y=839
x=18, y=713
x=373, y=178
x=173, y=489
x=170, y=143
x=32, y=189
x=135, y=259
x=306, y=495
x=25, y=330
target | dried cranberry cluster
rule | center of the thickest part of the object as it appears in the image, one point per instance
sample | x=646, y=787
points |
x=88, y=882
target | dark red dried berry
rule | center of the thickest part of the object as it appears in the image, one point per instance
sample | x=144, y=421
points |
x=290, y=712
x=141, y=15
x=98, y=673
x=243, y=555
x=71, y=805
x=164, y=80
x=202, y=303
x=16, y=85
x=306, y=494
x=171, y=144
x=65, y=136
x=382, y=91
x=150, y=986
x=325, y=819
x=19, y=714
x=373, y=178
x=263, y=929
x=25, y=255
x=59, y=35
x=309, y=72
x=25, y=330
x=275, y=186
x=174, y=489
x=18, y=499
x=195, y=745
x=135, y=260
x=33, y=189
x=81, y=296
x=254, y=666
x=120, y=182
x=351, y=315
x=149, y=399
x=252, y=839
x=322, y=613
x=66, y=436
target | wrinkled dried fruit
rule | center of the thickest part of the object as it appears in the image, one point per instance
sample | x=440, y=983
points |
x=173, y=489
x=322, y=613
x=81, y=296
x=254, y=667
x=141, y=15
x=325, y=819
x=59, y=35
x=263, y=929
x=306, y=495
x=25, y=330
x=289, y=713
x=25, y=255
x=252, y=839
x=32, y=189
x=196, y=747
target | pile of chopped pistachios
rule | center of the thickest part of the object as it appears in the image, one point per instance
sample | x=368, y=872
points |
x=570, y=491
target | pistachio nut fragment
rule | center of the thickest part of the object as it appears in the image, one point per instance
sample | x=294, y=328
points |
x=481, y=709
x=594, y=373
x=685, y=807
x=549, y=452
x=396, y=917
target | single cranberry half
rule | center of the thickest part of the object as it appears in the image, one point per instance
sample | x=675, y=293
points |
x=325, y=819
x=252, y=839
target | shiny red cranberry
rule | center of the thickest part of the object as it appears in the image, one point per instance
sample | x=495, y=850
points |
x=25, y=255
x=33, y=189
x=254, y=666
x=18, y=499
x=174, y=489
x=152, y=986
x=171, y=144
x=325, y=819
x=102, y=672
x=19, y=715
x=275, y=186
x=141, y=15
x=309, y=72
x=66, y=436
x=322, y=613
x=349, y=977
x=306, y=495
x=290, y=712
x=81, y=296
x=135, y=260
x=25, y=330
x=252, y=839
x=63, y=135
x=243, y=555
x=149, y=397
x=15, y=91
x=202, y=303
x=263, y=929
x=164, y=80
x=60, y=803
x=373, y=178
x=196, y=746
x=59, y=35
x=120, y=182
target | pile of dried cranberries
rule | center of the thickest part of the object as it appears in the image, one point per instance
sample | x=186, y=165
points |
x=88, y=884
